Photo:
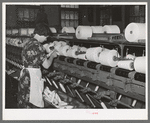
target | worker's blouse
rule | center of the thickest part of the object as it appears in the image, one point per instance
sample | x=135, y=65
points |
x=30, y=85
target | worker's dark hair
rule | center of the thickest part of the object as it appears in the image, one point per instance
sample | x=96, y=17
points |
x=42, y=29
x=41, y=23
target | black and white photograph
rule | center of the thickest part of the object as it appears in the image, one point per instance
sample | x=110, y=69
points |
x=72, y=61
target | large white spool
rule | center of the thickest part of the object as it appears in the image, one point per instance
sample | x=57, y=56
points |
x=83, y=32
x=75, y=46
x=30, y=31
x=15, y=31
x=111, y=29
x=97, y=29
x=72, y=52
x=53, y=30
x=82, y=56
x=57, y=47
x=58, y=43
x=92, y=54
x=8, y=32
x=68, y=30
x=55, y=42
x=23, y=31
x=84, y=49
x=63, y=50
x=63, y=43
x=140, y=64
x=126, y=64
x=135, y=32
x=130, y=56
x=69, y=52
x=107, y=57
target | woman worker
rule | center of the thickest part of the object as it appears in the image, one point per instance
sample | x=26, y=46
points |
x=31, y=85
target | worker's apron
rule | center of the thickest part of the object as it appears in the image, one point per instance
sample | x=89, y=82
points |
x=36, y=87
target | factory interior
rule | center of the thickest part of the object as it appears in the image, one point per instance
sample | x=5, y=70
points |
x=101, y=55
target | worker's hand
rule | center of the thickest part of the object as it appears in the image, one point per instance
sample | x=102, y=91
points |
x=52, y=54
x=49, y=47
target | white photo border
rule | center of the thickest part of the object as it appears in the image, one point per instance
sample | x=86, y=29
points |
x=70, y=114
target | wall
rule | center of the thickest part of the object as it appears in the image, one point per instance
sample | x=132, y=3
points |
x=53, y=15
x=52, y=12
x=11, y=16
x=87, y=15
x=118, y=17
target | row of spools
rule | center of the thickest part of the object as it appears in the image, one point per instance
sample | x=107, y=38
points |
x=17, y=41
x=102, y=55
x=20, y=32
x=133, y=31
x=96, y=54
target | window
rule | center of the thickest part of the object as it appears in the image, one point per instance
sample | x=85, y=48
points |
x=69, y=15
x=137, y=14
x=26, y=15
x=105, y=15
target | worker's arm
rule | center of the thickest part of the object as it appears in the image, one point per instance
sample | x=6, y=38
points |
x=48, y=61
